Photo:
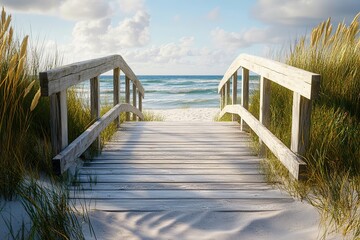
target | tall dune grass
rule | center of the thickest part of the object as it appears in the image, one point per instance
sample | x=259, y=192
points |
x=333, y=157
x=25, y=149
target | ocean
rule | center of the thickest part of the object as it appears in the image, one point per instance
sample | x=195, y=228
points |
x=169, y=92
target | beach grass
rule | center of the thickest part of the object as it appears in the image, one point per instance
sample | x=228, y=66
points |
x=25, y=147
x=333, y=158
x=150, y=116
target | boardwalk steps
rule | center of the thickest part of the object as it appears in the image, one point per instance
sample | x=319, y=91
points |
x=158, y=166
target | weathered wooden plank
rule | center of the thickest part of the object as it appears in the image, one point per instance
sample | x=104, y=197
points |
x=171, y=186
x=180, y=194
x=127, y=95
x=134, y=100
x=58, y=122
x=234, y=92
x=140, y=102
x=173, y=178
x=175, y=186
x=295, y=79
x=159, y=171
x=110, y=146
x=301, y=122
x=95, y=106
x=295, y=165
x=183, y=164
x=58, y=125
x=59, y=79
x=116, y=96
x=178, y=144
x=114, y=155
x=264, y=115
x=184, y=123
x=153, y=205
x=175, y=159
x=154, y=149
x=244, y=96
x=67, y=157
x=177, y=154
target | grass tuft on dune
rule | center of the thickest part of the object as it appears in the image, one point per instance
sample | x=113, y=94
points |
x=333, y=158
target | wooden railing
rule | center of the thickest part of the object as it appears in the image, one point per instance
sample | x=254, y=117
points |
x=305, y=87
x=54, y=83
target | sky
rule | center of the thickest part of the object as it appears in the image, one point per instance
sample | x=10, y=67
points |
x=172, y=37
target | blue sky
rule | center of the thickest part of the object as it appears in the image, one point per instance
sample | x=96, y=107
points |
x=172, y=36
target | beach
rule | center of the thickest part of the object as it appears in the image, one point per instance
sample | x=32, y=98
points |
x=187, y=114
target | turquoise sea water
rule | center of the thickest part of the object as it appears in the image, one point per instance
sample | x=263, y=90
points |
x=166, y=92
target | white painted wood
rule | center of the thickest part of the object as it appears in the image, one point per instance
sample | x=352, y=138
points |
x=301, y=122
x=116, y=87
x=67, y=157
x=294, y=164
x=59, y=79
x=295, y=79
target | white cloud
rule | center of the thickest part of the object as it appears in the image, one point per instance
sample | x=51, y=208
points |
x=34, y=5
x=67, y=9
x=80, y=10
x=284, y=20
x=131, y=6
x=99, y=37
x=304, y=12
x=214, y=14
x=234, y=40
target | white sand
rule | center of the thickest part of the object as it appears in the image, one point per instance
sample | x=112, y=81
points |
x=188, y=114
x=299, y=221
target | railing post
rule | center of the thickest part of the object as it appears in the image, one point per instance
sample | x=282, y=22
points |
x=227, y=92
x=234, y=93
x=244, y=96
x=222, y=98
x=134, y=101
x=58, y=122
x=95, y=104
x=140, y=102
x=116, y=77
x=300, y=128
x=127, y=95
x=264, y=116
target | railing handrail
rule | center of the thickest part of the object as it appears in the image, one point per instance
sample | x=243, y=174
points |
x=295, y=79
x=61, y=78
x=305, y=87
x=55, y=82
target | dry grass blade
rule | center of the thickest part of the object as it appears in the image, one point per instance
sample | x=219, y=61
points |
x=35, y=100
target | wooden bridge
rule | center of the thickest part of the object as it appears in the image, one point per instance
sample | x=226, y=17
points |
x=187, y=166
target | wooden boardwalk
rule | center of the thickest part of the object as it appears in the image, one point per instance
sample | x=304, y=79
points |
x=184, y=166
